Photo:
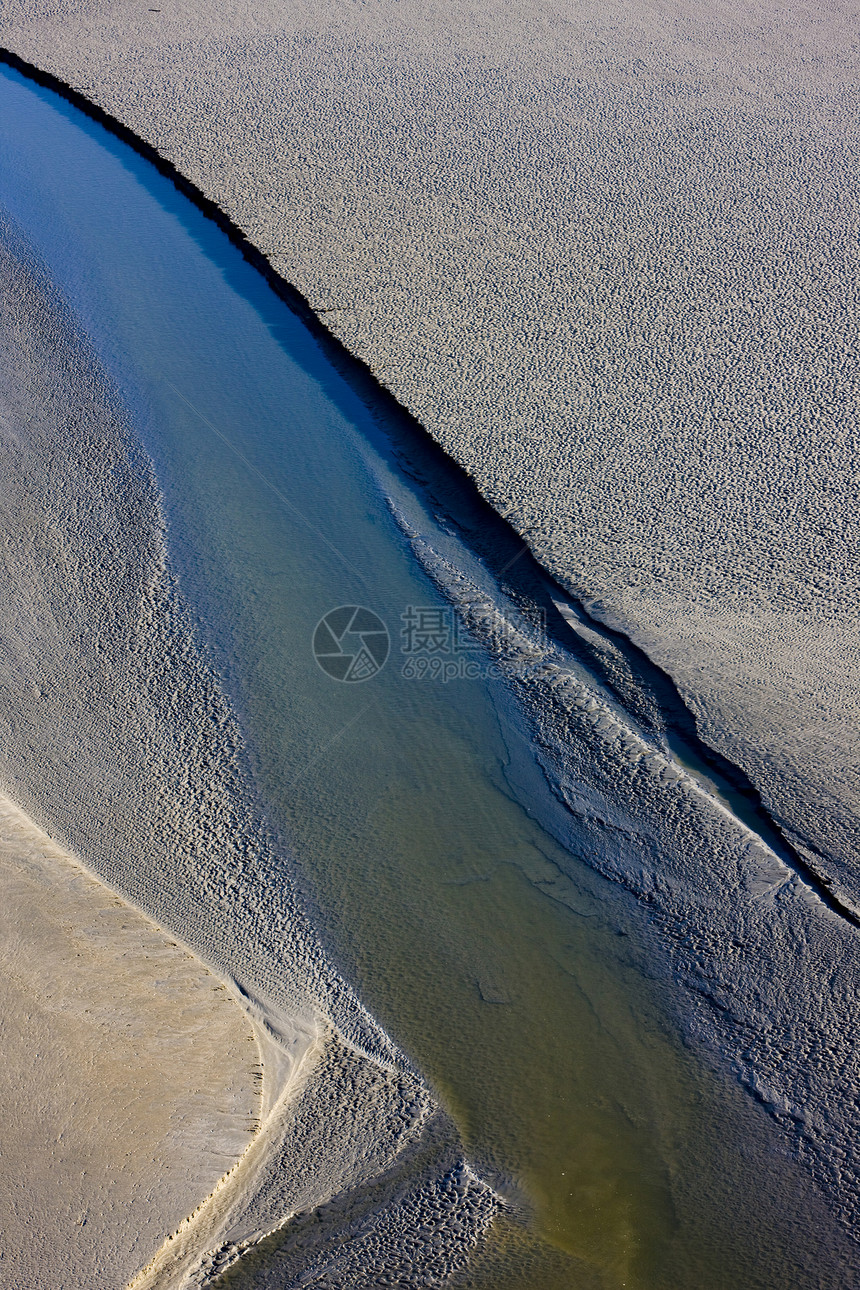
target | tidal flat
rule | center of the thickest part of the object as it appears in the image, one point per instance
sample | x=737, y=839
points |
x=486, y=904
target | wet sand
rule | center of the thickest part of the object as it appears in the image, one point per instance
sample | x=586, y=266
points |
x=117, y=735
x=130, y=1076
x=637, y=351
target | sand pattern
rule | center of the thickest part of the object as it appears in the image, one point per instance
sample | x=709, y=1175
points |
x=609, y=260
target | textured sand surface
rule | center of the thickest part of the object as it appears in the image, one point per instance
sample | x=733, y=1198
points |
x=608, y=255
x=129, y=1079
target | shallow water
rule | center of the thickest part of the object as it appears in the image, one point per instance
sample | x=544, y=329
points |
x=531, y=992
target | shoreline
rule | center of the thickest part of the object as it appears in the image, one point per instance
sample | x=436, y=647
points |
x=749, y=770
x=679, y=711
x=546, y=238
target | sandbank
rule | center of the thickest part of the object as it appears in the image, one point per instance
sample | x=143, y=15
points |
x=130, y=1080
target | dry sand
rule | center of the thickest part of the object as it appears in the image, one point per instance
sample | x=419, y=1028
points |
x=129, y=1081
x=608, y=255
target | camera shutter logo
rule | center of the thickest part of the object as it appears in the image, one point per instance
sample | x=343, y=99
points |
x=351, y=643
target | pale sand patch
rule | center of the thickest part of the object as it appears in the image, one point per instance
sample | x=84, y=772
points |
x=128, y=1082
